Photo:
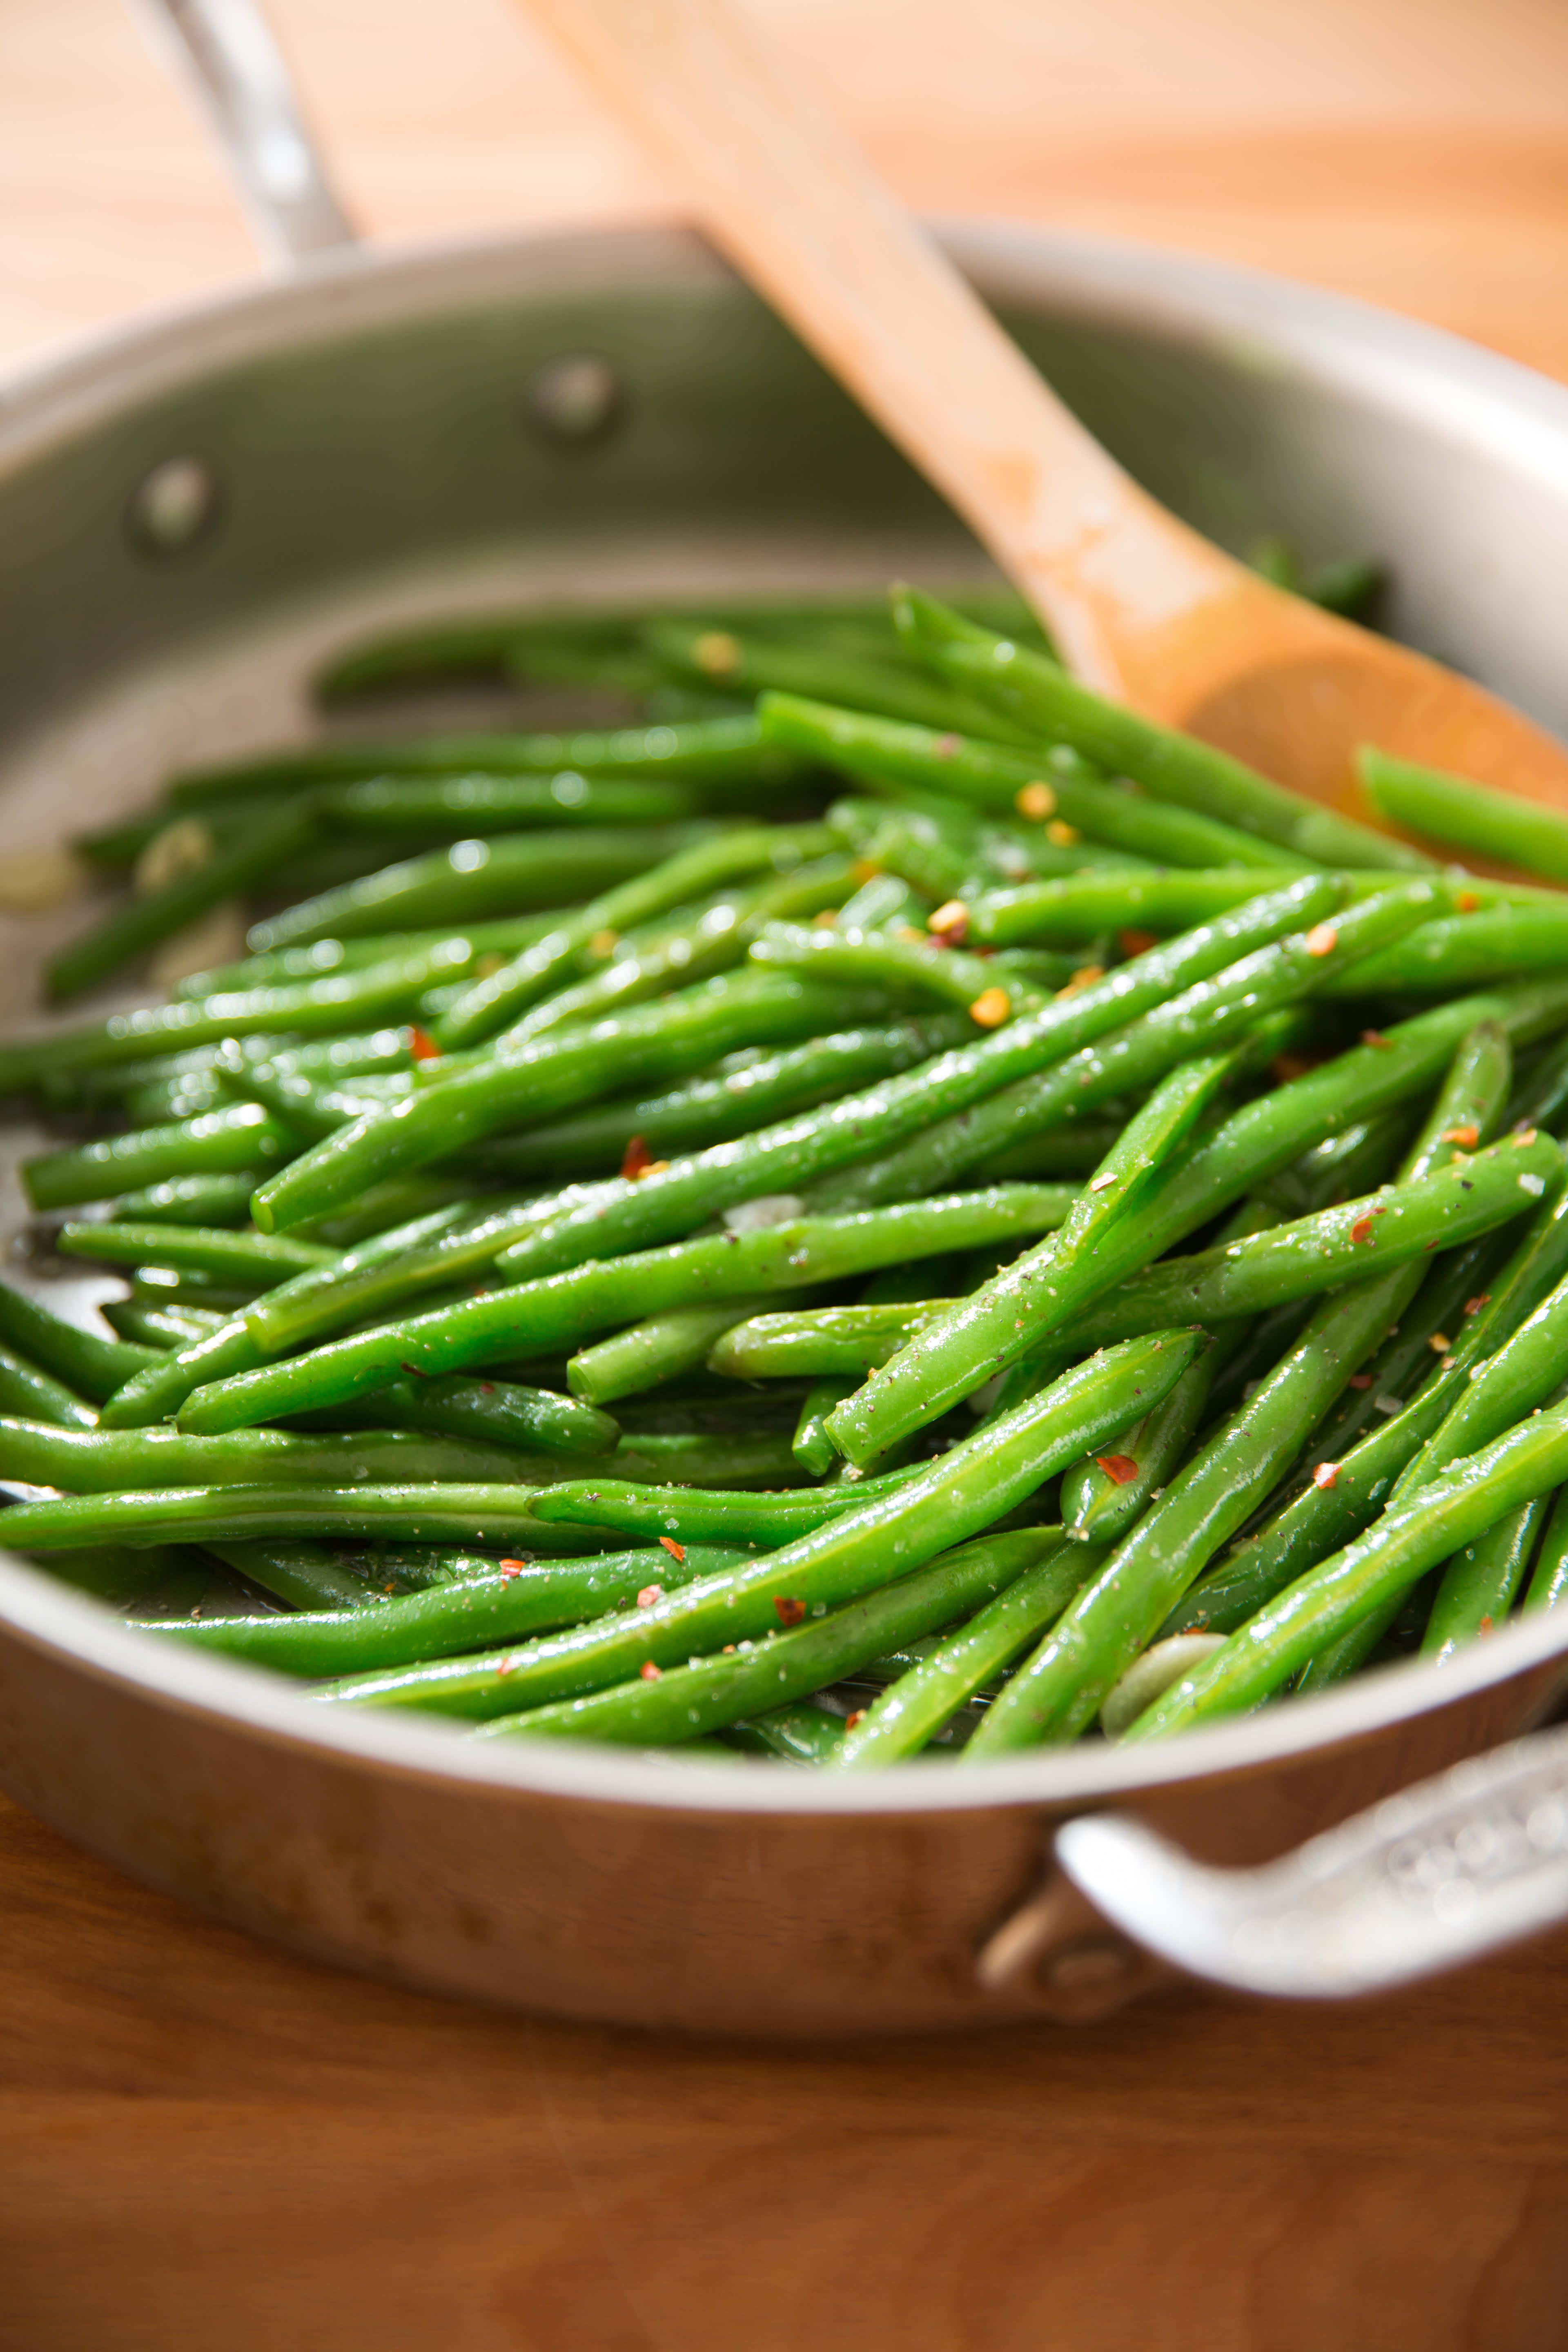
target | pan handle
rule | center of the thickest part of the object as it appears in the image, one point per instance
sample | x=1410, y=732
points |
x=1441, y=1874
x=230, y=54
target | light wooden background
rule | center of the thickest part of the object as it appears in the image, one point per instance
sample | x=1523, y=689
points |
x=204, y=2144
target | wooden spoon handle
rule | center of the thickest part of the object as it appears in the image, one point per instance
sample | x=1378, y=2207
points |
x=791, y=201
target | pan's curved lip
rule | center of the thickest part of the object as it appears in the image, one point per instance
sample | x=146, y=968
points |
x=1272, y=323
x=39, y=1614
x=1269, y=322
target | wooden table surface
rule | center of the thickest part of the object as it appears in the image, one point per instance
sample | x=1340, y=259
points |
x=206, y=2144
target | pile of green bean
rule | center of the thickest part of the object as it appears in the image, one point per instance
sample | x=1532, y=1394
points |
x=891, y=1205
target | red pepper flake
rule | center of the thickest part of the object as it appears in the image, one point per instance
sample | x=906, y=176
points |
x=949, y=923
x=1465, y=901
x=1137, y=943
x=826, y=919
x=790, y=1610
x=1325, y=1474
x=857, y=1717
x=948, y=747
x=1439, y=1343
x=1065, y=835
x=422, y=1046
x=1035, y=801
x=1375, y=1038
x=1485, y=1626
x=1467, y=1135
x=990, y=1008
x=675, y=1550
x=1121, y=1467
x=636, y=1160
x=511, y=1568
x=1360, y=1380
x=1322, y=940
x=649, y=1672
x=414, y=1373
x=1362, y=1230
x=649, y=1594
x=1474, y=1305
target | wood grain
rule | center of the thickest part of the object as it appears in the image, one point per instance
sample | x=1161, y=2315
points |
x=208, y=2147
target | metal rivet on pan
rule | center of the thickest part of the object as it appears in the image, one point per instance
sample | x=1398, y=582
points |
x=173, y=506
x=575, y=399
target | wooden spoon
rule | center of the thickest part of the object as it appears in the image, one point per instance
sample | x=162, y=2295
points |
x=1139, y=605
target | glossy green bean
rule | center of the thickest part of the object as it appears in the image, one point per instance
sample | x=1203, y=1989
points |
x=167, y=1328
x=1498, y=943
x=752, y=665
x=34, y=1394
x=247, y=1135
x=661, y=1348
x=303, y=1575
x=741, y=1094
x=100, y=1461
x=496, y=1412
x=684, y=1702
x=818, y=1342
x=140, y=923
x=1479, y=1584
x=205, y=1249
x=666, y=1040
x=448, y=806
x=916, y=970
x=532, y=1318
x=1041, y=699
x=1548, y=1578
x=1008, y=782
x=1462, y=814
x=913, y=1709
x=491, y=1002
x=1522, y=1373
x=91, y=1366
x=1014, y=1315
x=512, y=1600
x=863, y=1549
x=510, y=875
x=492, y=1513
x=811, y=1445
x=1433, y=1523
x=221, y=1199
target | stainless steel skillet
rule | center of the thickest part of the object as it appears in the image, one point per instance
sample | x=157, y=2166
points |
x=190, y=516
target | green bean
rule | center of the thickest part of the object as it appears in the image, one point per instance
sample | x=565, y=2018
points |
x=923, y=1514
x=913, y=1709
x=1520, y=1376
x=1081, y=907
x=1479, y=1582
x=1338, y=1659
x=743, y=1092
x=794, y=1735
x=710, y=1514
x=1432, y=1523
x=512, y=874
x=818, y=1341
x=98, y=1461
x=141, y=922
x=811, y=1445
x=205, y=1249
x=446, y=1513
x=661, y=1348
x=1106, y=1494
x=338, y=1001
x=513, y=1599
x=752, y=665
x=91, y=1366
x=560, y=1308
x=505, y=935
x=666, y=1040
x=945, y=851
x=778, y=1158
x=220, y=1140
x=167, y=1328
x=35, y=1395
x=1004, y=781
x=1011, y=1317
x=1548, y=1578
x=493, y=1001
x=1075, y=1150
x=1334, y=1508
x=697, y=1457
x=714, y=938
x=1043, y=701
x=446, y=806
x=221, y=1200
x=687, y=1701
x=303, y=1575
x=1059, y=1690
x=496, y=1412
x=153, y=1396
x=918, y=970
x=703, y=752
x=1465, y=951
x=1463, y=814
